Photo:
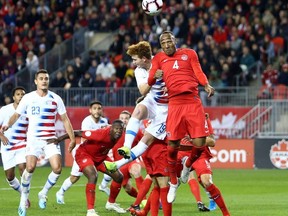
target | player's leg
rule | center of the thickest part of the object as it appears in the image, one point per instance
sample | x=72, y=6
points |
x=31, y=161
x=56, y=165
x=135, y=171
x=206, y=180
x=140, y=112
x=68, y=182
x=164, y=188
x=104, y=184
x=195, y=190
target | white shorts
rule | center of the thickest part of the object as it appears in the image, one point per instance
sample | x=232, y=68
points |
x=75, y=168
x=12, y=158
x=157, y=113
x=38, y=147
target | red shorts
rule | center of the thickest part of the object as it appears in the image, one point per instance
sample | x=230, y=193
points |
x=155, y=160
x=83, y=159
x=201, y=165
x=186, y=119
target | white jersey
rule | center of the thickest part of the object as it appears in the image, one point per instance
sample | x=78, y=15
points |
x=156, y=90
x=41, y=112
x=89, y=123
x=16, y=134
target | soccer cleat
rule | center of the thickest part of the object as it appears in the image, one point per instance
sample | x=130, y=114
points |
x=60, y=198
x=212, y=205
x=185, y=171
x=104, y=189
x=21, y=211
x=110, y=166
x=202, y=207
x=27, y=204
x=42, y=200
x=125, y=152
x=133, y=208
x=171, y=196
x=114, y=207
x=91, y=212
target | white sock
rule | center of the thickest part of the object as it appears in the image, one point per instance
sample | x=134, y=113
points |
x=136, y=151
x=105, y=181
x=65, y=186
x=51, y=181
x=132, y=129
x=25, y=187
x=15, y=184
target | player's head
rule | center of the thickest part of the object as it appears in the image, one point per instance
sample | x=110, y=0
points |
x=42, y=79
x=124, y=116
x=116, y=129
x=141, y=53
x=17, y=94
x=168, y=43
x=96, y=109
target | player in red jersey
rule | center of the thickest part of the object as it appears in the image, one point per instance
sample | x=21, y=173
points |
x=202, y=168
x=182, y=74
x=129, y=170
x=91, y=154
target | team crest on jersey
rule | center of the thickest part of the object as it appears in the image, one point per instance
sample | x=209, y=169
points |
x=279, y=154
x=184, y=57
x=87, y=133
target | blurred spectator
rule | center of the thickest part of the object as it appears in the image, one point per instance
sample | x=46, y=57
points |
x=129, y=81
x=121, y=69
x=246, y=57
x=79, y=67
x=20, y=64
x=283, y=75
x=59, y=80
x=105, y=69
x=92, y=69
x=86, y=80
x=32, y=62
x=267, y=50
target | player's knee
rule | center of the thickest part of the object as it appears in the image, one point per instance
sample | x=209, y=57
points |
x=10, y=176
x=74, y=179
x=135, y=170
x=118, y=177
x=57, y=170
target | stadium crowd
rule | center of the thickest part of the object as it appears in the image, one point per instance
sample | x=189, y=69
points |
x=230, y=37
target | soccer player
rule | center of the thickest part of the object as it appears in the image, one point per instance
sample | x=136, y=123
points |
x=182, y=74
x=132, y=169
x=93, y=121
x=155, y=160
x=203, y=169
x=90, y=155
x=14, y=142
x=153, y=106
x=41, y=107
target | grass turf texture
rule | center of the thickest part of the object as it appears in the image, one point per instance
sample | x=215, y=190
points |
x=246, y=192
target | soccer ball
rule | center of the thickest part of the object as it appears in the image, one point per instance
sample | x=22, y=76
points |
x=152, y=7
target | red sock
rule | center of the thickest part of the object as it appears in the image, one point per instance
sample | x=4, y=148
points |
x=172, y=162
x=143, y=190
x=195, y=189
x=114, y=191
x=166, y=207
x=155, y=194
x=148, y=205
x=133, y=192
x=139, y=182
x=195, y=154
x=217, y=197
x=90, y=195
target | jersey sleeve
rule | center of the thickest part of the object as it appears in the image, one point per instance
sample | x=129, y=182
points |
x=85, y=125
x=197, y=68
x=154, y=68
x=60, y=106
x=22, y=106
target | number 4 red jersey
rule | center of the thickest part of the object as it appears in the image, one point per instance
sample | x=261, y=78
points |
x=182, y=73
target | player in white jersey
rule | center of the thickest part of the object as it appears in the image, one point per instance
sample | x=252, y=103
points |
x=13, y=144
x=91, y=122
x=154, y=106
x=41, y=107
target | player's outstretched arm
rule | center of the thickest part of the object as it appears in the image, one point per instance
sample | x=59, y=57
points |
x=77, y=133
x=11, y=121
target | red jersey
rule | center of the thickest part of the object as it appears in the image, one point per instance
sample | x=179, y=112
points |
x=182, y=74
x=97, y=143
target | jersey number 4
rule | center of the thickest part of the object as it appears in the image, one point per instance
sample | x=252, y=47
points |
x=175, y=65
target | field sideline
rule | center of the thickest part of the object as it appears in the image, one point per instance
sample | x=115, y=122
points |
x=246, y=192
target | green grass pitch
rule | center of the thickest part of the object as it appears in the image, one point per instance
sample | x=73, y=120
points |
x=246, y=192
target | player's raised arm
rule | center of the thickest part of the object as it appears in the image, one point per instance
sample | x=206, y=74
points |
x=69, y=130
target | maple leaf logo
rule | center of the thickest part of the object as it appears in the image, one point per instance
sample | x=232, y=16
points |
x=279, y=154
x=228, y=126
